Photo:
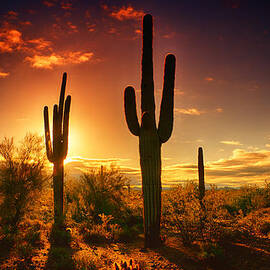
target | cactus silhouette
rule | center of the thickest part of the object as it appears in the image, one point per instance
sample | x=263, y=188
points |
x=201, y=174
x=151, y=137
x=57, y=151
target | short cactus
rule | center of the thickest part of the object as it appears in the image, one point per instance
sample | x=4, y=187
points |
x=57, y=151
x=151, y=137
x=201, y=174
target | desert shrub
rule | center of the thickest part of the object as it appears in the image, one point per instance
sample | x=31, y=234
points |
x=256, y=222
x=22, y=176
x=100, y=203
x=181, y=212
x=249, y=198
x=215, y=218
x=185, y=217
x=104, y=231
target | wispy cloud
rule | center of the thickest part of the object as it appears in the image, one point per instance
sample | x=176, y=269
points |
x=219, y=110
x=25, y=23
x=49, y=3
x=178, y=92
x=191, y=111
x=76, y=166
x=49, y=61
x=91, y=27
x=231, y=142
x=12, y=15
x=169, y=35
x=73, y=28
x=126, y=13
x=243, y=167
x=209, y=79
x=40, y=43
x=66, y=5
x=4, y=74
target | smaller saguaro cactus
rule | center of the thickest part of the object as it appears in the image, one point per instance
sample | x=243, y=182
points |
x=57, y=151
x=201, y=174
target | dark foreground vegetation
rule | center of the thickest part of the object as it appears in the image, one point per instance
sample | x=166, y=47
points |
x=228, y=229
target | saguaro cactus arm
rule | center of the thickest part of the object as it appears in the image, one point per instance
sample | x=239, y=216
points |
x=131, y=111
x=48, y=135
x=62, y=96
x=56, y=133
x=165, y=125
x=65, y=126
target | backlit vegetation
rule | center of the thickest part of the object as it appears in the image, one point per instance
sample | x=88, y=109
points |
x=104, y=218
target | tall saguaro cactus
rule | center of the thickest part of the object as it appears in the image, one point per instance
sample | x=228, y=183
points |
x=57, y=151
x=150, y=136
x=201, y=174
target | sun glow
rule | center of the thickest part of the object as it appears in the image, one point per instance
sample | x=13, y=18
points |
x=74, y=142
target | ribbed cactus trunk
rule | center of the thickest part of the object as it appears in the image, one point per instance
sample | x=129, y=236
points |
x=201, y=174
x=151, y=137
x=57, y=151
x=58, y=190
x=150, y=159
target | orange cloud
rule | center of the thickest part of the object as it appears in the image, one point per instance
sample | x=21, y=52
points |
x=50, y=61
x=10, y=40
x=209, y=79
x=127, y=13
x=47, y=62
x=79, y=57
x=191, y=111
x=5, y=47
x=178, y=92
x=112, y=30
x=72, y=27
x=219, y=110
x=40, y=43
x=61, y=28
x=14, y=36
x=169, y=35
x=91, y=27
x=12, y=15
x=4, y=74
x=26, y=23
x=231, y=142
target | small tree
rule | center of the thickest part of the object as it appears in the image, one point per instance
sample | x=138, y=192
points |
x=22, y=176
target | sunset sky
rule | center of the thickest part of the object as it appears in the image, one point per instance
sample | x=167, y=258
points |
x=222, y=90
